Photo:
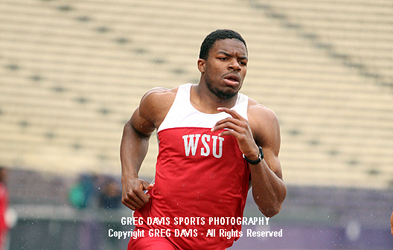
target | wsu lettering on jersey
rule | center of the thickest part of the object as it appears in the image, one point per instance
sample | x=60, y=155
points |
x=203, y=144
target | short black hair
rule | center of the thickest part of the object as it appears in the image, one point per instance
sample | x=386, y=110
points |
x=220, y=34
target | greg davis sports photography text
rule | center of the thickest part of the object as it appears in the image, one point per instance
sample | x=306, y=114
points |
x=184, y=227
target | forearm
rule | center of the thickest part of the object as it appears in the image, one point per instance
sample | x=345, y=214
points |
x=268, y=190
x=133, y=150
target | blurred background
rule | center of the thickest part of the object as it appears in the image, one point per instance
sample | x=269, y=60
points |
x=73, y=71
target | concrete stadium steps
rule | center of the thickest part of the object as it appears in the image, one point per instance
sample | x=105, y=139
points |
x=72, y=73
x=360, y=30
x=315, y=101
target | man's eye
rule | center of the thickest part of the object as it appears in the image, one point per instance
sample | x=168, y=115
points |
x=243, y=63
x=223, y=58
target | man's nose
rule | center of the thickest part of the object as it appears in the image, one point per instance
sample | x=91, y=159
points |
x=234, y=65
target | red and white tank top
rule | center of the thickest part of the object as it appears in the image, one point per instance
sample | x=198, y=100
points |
x=198, y=175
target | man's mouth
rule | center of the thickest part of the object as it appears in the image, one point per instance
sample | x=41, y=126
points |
x=232, y=79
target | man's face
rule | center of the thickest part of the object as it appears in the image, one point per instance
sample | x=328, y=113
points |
x=225, y=68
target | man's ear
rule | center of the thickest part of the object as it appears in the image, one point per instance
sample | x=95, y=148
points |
x=202, y=65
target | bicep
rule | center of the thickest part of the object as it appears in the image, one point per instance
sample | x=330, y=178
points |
x=273, y=162
x=145, y=117
x=267, y=135
x=140, y=124
x=152, y=110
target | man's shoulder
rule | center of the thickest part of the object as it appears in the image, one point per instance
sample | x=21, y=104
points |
x=160, y=92
x=263, y=121
x=159, y=96
x=156, y=102
x=259, y=111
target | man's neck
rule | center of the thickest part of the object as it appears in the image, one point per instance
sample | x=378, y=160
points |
x=206, y=101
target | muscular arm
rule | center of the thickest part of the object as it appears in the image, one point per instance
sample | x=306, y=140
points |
x=262, y=129
x=133, y=149
x=135, y=142
x=268, y=188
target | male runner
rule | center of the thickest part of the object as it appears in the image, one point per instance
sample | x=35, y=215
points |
x=214, y=143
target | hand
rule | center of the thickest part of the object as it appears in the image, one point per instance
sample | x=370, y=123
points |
x=238, y=127
x=133, y=195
